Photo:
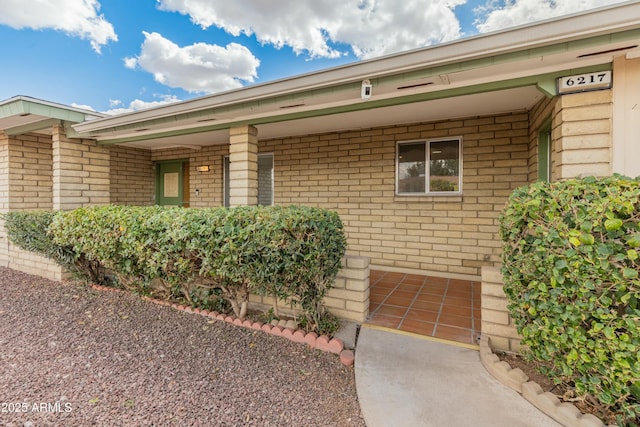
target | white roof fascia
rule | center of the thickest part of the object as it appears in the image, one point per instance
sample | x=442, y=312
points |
x=606, y=20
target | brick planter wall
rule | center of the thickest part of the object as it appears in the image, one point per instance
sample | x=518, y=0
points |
x=348, y=299
x=496, y=321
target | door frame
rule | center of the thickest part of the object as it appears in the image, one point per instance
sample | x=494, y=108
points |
x=159, y=184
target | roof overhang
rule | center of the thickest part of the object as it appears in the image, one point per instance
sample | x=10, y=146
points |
x=22, y=114
x=470, y=76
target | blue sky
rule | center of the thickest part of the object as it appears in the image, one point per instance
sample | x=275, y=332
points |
x=117, y=56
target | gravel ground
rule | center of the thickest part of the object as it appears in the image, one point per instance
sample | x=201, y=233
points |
x=74, y=356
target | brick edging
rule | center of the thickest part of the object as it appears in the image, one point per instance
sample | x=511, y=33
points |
x=322, y=342
x=563, y=412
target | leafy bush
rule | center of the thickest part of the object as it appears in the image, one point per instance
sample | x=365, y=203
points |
x=293, y=253
x=28, y=231
x=571, y=271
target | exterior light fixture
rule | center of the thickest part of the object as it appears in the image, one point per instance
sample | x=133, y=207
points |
x=366, y=90
x=204, y=168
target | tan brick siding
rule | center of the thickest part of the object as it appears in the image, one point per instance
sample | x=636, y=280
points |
x=354, y=173
x=80, y=172
x=582, y=133
x=496, y=320
x=31, y=263
x=132, y=176
x=30, y=166
x=25, y=184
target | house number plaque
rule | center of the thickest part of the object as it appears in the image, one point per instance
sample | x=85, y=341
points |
x=585, y=82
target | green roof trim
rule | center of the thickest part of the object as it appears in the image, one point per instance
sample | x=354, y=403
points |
x=545, y=82
x=22, y=106
x=354, y=87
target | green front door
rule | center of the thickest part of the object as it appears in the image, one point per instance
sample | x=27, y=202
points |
x=170, y=184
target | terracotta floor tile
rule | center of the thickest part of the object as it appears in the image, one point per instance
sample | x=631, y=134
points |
x=458, y=302
x=413, y=303
x=459, y=293
x=422, y=315
x=386, y=321
x=429, y=297
x=426, y=289
x=394, y=276
x=404, y=294
x=460, y=283
x=417, y=327
x=457, y=310
x=399, y=300
x=426, y=305
x=391, y=310
x=379, y=291
x=376, y=298
x=440, y=280
x=453, y=320
x=453, y=334
x=386, y=284
x=408, y=287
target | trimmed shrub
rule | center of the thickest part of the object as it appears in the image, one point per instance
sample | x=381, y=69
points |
x=29, y=231
x=293, y=253
x=571, y=272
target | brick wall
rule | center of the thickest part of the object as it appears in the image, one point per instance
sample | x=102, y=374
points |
x=26, y=184
x=354, y=173
x=80, y=172
x=132, y=176
x=30, y=182
x=582, y=134
x=496, y=320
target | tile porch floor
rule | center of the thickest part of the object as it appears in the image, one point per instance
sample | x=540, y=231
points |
x=438, y=307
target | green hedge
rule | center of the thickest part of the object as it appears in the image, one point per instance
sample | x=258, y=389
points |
x=29, y=231
x=290, y=252
x=571, y=271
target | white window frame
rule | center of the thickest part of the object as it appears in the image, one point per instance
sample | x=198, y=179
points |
x=427, y=144
x=225, y=178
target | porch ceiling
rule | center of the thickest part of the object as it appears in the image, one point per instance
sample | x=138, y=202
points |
x=481, y=104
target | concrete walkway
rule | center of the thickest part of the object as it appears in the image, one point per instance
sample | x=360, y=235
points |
x=404, y=380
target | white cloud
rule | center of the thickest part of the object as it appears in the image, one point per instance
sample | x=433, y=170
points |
x=138, y=104
x=82, y=106
x=200, y=67
x=318, y=28
x=130, y=62
x=77, y=18
x=495, y=15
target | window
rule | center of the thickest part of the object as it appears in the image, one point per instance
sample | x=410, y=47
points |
x=265, y=180
x=429, y=167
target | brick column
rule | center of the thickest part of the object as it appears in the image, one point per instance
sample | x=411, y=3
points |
x=496, y=320
x=243, y=166
x=582, y=135
x=80, y=172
